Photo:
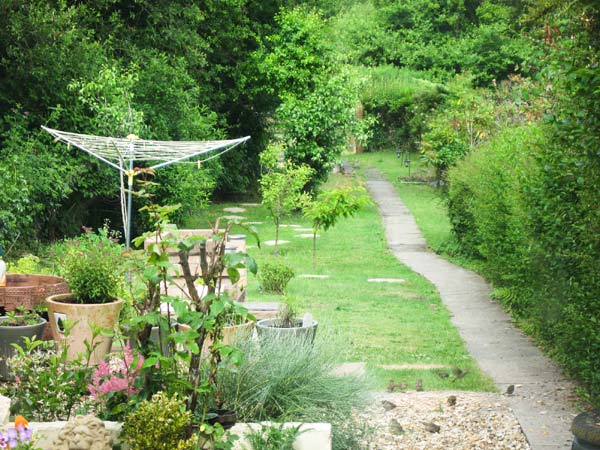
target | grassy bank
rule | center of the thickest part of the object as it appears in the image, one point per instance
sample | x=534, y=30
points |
x=384, y=324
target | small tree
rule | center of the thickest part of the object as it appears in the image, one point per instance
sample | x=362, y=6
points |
x=281, y=185
x=330, y=206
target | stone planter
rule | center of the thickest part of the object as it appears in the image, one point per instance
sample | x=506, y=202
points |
x=586, y=429
x=82, y=317
x=15, y=335
x=272, y=329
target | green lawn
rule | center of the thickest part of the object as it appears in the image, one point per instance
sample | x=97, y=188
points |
x=425, y=202
x=382, y=324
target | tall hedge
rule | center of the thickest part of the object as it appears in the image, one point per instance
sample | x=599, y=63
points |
x=527, y=203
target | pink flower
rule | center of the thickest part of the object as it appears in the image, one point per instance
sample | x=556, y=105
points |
x=119, y=376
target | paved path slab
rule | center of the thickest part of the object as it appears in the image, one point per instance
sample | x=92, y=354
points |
x=541, y=400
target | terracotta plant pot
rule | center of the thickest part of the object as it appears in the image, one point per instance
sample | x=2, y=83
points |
x=103, y=315
x=15, y=335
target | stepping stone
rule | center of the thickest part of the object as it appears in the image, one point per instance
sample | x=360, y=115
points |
x=305, y=235
x=252, y=223
x=415, y=366
x=289, y=225
x=308, y=275
x=250, y=205
x=234, y=209
x=272, y=243
x=386, y=280
x=349, y=368
x=234, y=217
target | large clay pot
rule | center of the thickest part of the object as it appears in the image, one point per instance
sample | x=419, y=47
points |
x=15, y=335
x=81, y=317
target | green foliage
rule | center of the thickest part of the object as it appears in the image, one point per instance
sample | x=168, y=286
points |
x=526, y=202
x=273, y=437
x=281, y=185
x=330, y=206
x=488, y=203
x=93, y=266
x=274, y=277
x=20, y=317
x=400, y=100
x=471, y=116
x=159, y=424
x=316, y=126
x=291, y=380
x=50, y=387
x=315, y=99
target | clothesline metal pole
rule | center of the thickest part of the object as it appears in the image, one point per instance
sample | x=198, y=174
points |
x=129, y=197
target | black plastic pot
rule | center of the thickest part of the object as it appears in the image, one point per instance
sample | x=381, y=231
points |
x=226, y=417
x=15, y=335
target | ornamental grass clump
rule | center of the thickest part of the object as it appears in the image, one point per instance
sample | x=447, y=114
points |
x=292, y=380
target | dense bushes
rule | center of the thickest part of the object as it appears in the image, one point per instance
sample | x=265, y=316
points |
x=400, y=101
x=526, y=202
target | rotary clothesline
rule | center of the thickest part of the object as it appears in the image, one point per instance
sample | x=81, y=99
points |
x=120, y=153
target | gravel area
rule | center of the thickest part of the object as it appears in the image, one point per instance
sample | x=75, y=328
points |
x=477, y=421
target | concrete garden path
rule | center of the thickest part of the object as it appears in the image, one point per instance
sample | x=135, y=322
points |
x=541, y=399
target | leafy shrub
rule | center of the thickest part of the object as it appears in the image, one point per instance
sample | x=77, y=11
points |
x=273, y=437
x=159, y=424
x=93, y=266
x=274, y=277
x=487, y=203
x=48, y=387
x=399, y=99
x=290, y=380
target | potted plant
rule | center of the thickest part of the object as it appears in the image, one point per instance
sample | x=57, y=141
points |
x=93, y=267
x=15, y=326
x=287, y=324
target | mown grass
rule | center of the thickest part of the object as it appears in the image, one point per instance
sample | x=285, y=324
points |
x=425, y=201
x=381, y=324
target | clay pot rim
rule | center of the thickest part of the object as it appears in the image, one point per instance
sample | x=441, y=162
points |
x=59, y=299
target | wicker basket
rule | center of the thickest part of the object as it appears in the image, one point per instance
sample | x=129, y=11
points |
x=29, y=291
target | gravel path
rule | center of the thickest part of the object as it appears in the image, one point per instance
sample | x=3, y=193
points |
x=478, y=420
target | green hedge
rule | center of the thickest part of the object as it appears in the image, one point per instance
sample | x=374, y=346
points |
x=536, y=230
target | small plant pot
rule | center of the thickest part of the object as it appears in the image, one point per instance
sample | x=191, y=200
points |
x=15, y=335
x=82, y=319
x=272, y=329
x=226, y=417
x=586, y=429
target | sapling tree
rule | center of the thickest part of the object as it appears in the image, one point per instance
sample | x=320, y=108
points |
x=281, y=185
x=330, y=206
